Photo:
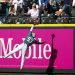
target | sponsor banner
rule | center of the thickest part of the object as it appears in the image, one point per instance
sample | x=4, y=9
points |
x=37, y=56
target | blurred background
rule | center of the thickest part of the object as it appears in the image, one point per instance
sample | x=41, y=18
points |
x=41, y=11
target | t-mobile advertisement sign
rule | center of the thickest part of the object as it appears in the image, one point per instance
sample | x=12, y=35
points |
x=37, y=56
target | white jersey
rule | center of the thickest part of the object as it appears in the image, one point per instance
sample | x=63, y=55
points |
x=33, y=13
x=18, y=2
x=73, y=4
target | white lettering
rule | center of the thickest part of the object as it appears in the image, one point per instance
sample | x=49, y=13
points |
x=40, y=50
x=34, y=51
x=4, y=47
x=29, y=53
x=45, y=51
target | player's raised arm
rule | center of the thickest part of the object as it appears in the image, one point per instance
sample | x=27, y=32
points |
x=34, y=24
x=32, y=28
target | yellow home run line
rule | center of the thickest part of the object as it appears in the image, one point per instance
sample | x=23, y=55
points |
x=40, y=25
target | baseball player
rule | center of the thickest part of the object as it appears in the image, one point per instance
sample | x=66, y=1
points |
x=29, y=40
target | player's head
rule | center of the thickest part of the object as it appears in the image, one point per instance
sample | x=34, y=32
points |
x=34, y=35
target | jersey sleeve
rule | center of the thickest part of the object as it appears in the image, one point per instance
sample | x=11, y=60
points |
x=30, y=33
